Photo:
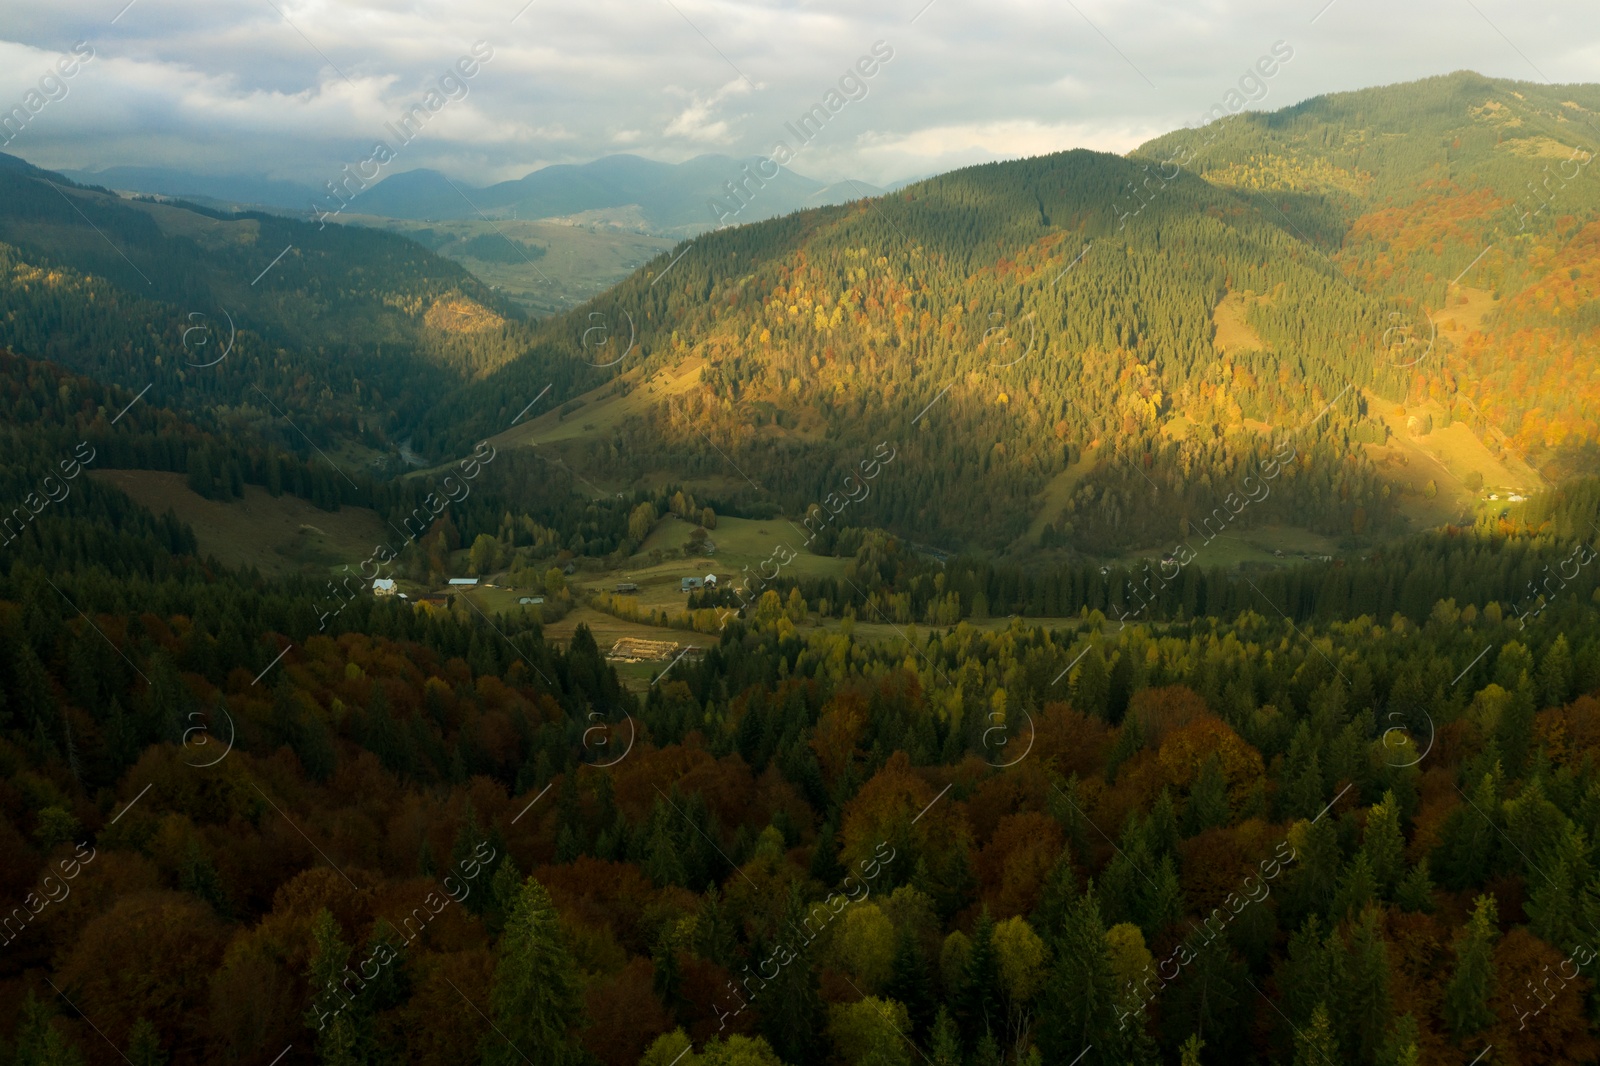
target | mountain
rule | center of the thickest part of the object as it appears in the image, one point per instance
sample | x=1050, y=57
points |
x=669, y=197
x=343, y=333
x=242, y=189
x=1108, y=365
x=1466, y=203
x=1077, y=353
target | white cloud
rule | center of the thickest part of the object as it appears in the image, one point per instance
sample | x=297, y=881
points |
x=241, y=88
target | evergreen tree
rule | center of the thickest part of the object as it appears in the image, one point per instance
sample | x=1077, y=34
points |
x=1357, y=888
x=535, y=999
x=910, y=982
x=1472, y=985
x=1384, y=845
x=1416, y=888
x=825, y=857
x=503, y=889
x=791, y=1009
x=144, y=1045
x=1364, y=1004
x=1077, y=1003
x=978, y=1000
x=1400, y=1046
x=1208, y=799
x=945, y=1043
x=340, y=1015
x=1315, y=1045
x=39, y=1042
x=1091, y=691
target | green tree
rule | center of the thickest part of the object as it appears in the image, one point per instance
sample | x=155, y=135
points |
x=910, y=982
x=1208, y=799
x=870, y=1032
x=144, y=1045
x=1315, y=1045
x=1077, y=1003
x=535, y=999
x=1472, y=985
x=945, y=1041
x=790, y=1006
x=339, y=1014
x=39, y=1042
x=1384, y=845
x=1364, y=1004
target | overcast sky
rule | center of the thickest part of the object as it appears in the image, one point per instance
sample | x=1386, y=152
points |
x=295, y=89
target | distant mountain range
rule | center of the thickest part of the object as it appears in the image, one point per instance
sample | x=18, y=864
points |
x=622, y=190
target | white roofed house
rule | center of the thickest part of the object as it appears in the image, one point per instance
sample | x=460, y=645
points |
x=383, y=586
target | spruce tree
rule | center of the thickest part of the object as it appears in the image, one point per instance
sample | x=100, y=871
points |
x=1363, y=999
x=535, y=999
x=339, y=1015
x=790, y=1006
x=1208, y=799
x=910, y=982
x=1077, y=1002
x=978, y=1004
x=1384, y=845
x=1472, y=985
x=1314, y=1045
x=144, y=1045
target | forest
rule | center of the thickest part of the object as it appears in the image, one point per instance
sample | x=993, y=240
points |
x=1339, y=813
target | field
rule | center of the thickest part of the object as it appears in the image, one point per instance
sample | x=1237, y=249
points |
x=1233, y=331
x=275, y=534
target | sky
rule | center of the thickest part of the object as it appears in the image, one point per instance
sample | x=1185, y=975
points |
x=297, y=89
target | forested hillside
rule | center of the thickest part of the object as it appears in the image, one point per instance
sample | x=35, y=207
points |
x=1289, y=823
x=1405, y=188
x=350, y=332
x=1106, y=336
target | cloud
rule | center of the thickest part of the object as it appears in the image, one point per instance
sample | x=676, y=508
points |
x=696, y=123
x=297, y=90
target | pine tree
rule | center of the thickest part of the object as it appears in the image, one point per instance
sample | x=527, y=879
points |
x=978, y=1003
x=1400, y=1046
x=1364, y=1004
x=40, y=1043
x=1314, y=1045
x=1077, y=1004
x=1357, y=888
x=1056, y=899
x=1091, y=692
x=1384, y=845
x=910, y=982
x=503, y=890
x=1315, y=877
x=1305, y=974
x=1415, y=892
x=945, y=1043
x=1208, y=799
x=791, y=1008
x=825, y=857
x=144, y=1045
x=1467, y=996
x=1552, y=903
x=535, y=1000
x=339, y=1014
